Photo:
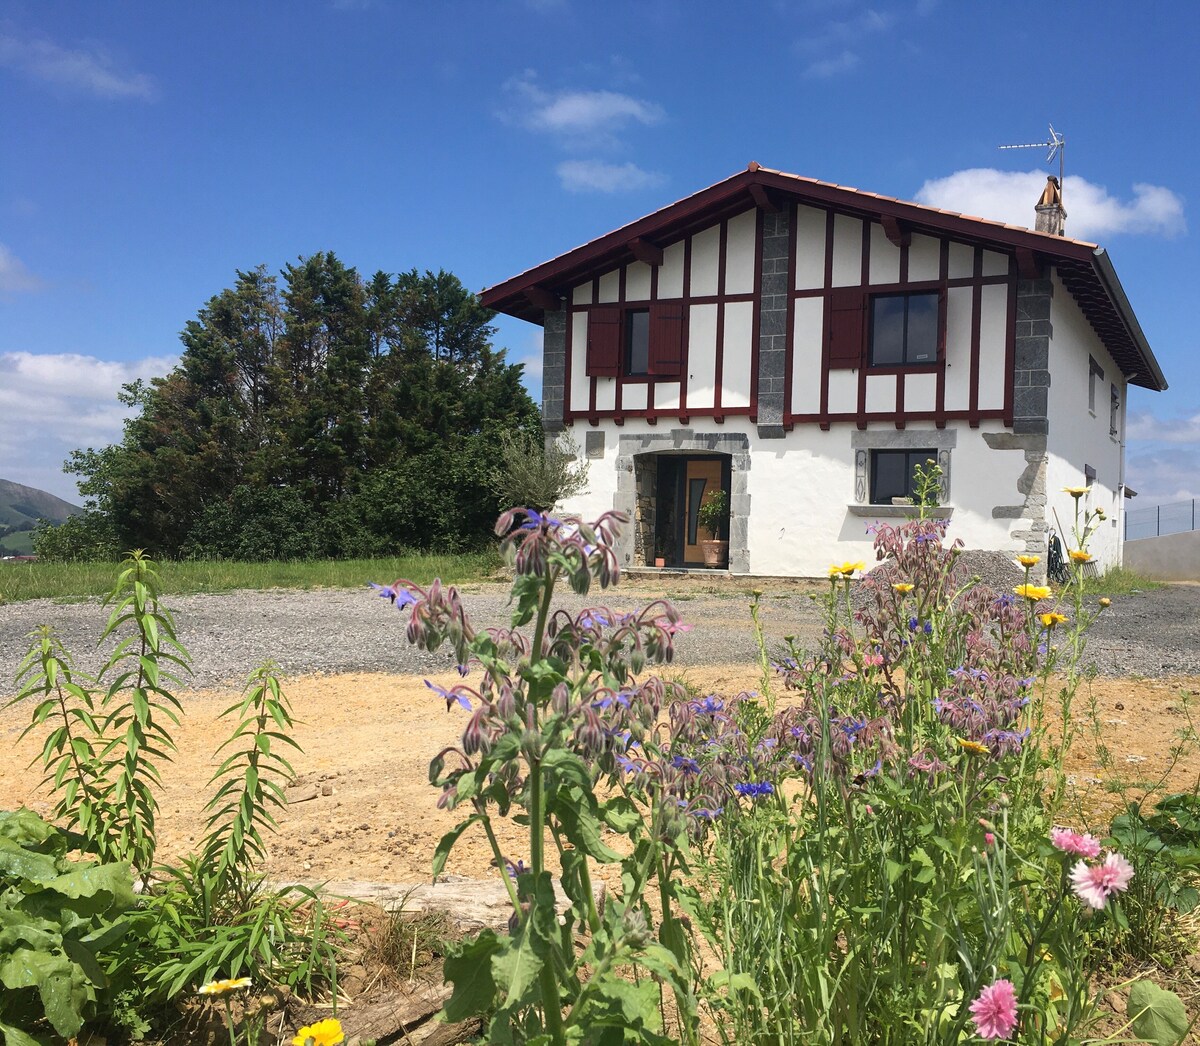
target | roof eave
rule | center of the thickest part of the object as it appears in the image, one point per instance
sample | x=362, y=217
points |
x=1154, y=379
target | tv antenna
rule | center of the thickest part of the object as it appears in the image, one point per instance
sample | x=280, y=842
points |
x=1057, y=144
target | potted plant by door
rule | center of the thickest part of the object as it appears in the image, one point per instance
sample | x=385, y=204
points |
x=714, y=511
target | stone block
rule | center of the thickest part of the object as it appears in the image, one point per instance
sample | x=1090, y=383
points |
x=769, y=430
x=773, y=322
x=1033, y=307
x=1031, y=426
x=774, y=283
x=1032, y=353
x=739, y=505
x=1030, y=402
x=594, y=444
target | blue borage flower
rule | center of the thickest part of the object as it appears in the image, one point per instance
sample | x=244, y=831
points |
x=754, y=789
x=685, y=763
x=450, y=696
x=400, y=597
x=515, y=870
x=710, y=705
x=535, y=519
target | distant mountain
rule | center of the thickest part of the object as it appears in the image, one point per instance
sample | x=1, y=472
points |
x=20, y=509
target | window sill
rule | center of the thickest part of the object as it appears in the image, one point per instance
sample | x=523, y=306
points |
x=899, y=511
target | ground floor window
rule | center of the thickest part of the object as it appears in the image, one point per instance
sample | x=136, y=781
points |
x=892, y=473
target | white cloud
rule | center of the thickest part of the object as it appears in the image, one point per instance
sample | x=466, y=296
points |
x=15, y=278
x=831, y=51
x=598, y=176
x=1164, y=475
x=1092, y=213
x=827, y=67
x=1145, y=426
x=89, y=70
x=53, y=403
x=577, y=118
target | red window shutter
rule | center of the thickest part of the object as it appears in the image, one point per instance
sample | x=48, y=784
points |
x=604, y=341
x=666, y=339
x=846, y=327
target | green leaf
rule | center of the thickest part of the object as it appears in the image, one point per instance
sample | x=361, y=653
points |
x=447, y=841
x=620, y=814
x=15, y=1037
x=516, y=967
x=469, y=969
x=1158, y=1015
x=576, y=811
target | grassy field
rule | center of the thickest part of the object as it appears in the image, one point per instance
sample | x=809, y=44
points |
x=71, y=581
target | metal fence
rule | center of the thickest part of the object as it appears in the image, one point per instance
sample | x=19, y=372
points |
x=1156, y=520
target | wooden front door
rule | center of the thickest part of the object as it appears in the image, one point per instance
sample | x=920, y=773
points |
x=701, y=478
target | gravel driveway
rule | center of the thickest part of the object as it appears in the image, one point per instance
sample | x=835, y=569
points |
x=1147, y=634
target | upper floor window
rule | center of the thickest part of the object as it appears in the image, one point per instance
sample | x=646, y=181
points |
x=1114, y=410
x=904, y=330
x=635, y=343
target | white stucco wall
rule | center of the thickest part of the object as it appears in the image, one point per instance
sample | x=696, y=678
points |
x=802, y=487
x=1080, y=437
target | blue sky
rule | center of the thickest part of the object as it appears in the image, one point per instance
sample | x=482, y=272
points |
x=149, y=150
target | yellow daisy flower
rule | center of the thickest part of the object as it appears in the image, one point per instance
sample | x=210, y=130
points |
x=323, y=1033
x=1079, y=555
x=1029, y=561
x=221, y=987
x=1075, y=492
x=903, y=587
x=974, y=747
x=1033, y=592
x=846, y=569
x=1052, y=619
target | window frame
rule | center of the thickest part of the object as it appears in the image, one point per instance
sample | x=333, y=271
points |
x=1114, y=411
x=905, y=364
x=913, y=456
x=1095, y=377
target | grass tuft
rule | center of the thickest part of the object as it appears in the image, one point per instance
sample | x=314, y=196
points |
x=74, y=581
x=1118, y=581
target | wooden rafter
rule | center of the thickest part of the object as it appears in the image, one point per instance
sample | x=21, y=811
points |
x=895, y=230
x=763, y=200
x=645, y=251
x=541, y=298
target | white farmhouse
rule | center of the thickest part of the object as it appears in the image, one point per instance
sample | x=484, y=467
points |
x=803, y=345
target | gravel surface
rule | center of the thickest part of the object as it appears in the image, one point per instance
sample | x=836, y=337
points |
x=1146, y=634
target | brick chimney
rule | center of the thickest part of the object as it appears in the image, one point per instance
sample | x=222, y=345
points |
x=1051, y=217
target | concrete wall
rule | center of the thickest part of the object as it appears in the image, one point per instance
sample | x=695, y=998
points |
x=1174, y=557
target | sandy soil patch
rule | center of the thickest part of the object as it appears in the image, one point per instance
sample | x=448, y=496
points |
x=368, y=739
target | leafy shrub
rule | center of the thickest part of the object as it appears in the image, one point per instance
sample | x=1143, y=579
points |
x=537, y=471
x=58, y=916
x=256, y=524
x=86, y=537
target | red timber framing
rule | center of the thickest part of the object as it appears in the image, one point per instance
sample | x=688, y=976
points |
x=1083, y=268
x=898, y=412
x=658, y=387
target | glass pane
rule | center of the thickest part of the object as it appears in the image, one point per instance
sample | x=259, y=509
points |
x=637, y=339
x=887, y=476
x=922, y=328
x=887, y=332
x=695, y=496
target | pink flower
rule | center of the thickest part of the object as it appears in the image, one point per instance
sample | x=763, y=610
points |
x=989, y=838
x=1075, y=842
x=1095, y=884
x=995, y=1011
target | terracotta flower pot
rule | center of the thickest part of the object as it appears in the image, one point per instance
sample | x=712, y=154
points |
x=716, y=553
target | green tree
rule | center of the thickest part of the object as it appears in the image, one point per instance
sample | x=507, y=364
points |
x=373, y=412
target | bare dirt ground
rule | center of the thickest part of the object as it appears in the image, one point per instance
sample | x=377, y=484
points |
x=367, y=740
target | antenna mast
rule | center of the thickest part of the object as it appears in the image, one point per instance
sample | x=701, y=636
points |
x=1057, y=143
